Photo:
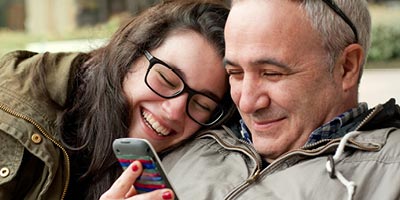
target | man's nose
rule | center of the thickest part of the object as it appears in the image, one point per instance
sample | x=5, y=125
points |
x=253, y=95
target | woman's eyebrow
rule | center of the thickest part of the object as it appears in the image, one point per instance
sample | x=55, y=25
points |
x=179, y=71
x=203, y=91
x=211, y=94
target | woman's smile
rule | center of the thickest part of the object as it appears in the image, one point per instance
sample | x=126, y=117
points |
x=155, y=125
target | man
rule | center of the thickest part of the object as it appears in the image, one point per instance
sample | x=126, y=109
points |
x=295, y=68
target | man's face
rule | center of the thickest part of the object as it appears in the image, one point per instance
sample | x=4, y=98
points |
x=279, y=78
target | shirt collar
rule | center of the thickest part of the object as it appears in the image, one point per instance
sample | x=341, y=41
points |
x=330, y=130
x=326, y=131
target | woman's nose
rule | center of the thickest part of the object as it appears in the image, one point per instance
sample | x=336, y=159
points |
x=175, y=107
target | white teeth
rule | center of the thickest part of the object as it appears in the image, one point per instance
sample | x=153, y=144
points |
x=161, y=130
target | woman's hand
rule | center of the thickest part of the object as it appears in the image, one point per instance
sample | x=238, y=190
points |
x=123, y=187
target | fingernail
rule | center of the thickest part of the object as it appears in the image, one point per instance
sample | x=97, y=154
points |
x=135, y=167
x=167, y=195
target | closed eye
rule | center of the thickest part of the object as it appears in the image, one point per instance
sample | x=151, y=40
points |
x=166, y=81
x=234, y=72
x=272, y=74
x=202, y=106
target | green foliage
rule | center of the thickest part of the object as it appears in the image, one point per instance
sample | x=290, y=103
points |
x=385, y=42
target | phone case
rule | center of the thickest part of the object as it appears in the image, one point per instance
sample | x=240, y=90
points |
x=153, y=177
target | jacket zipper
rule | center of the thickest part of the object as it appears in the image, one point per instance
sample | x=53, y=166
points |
x=236, y=148
x=302, y=151
x=375, y=111
x=252, y=154
x=47, y=135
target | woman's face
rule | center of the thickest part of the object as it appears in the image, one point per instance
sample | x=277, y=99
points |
x=162, y=121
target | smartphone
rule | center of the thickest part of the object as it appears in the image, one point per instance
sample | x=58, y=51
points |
x=153, y=176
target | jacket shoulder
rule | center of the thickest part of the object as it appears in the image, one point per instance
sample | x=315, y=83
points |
x=46, y=76
x=197, y=167
x=19, y=59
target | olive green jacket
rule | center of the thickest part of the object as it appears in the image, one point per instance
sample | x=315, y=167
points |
x=33, y=91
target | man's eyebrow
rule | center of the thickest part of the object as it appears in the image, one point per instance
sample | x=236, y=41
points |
x=270, y=61
x=228, y=62
x=260, y=62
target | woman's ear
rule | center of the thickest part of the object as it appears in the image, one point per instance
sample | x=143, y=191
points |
x=351, y=61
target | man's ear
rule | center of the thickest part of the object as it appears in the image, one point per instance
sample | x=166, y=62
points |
x=351, y=60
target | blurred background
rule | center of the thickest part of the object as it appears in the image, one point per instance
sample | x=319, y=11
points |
x=82, y=25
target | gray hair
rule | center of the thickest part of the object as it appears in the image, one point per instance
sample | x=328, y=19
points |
x=335, y=32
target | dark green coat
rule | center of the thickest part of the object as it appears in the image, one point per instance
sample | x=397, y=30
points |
x=33, y=92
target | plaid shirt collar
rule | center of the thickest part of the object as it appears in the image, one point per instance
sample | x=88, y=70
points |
x=331, y=130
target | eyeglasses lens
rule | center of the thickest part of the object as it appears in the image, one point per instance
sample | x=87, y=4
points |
x=166, y=83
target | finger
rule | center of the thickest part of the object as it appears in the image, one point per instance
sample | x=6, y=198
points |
x=124, y=183
x=161, y=194
x=131, y=192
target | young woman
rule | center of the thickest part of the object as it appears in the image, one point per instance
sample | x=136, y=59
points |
x=160, y=77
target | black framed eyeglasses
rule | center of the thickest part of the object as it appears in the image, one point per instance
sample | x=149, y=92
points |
x=165, y=82
x=339, y=11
